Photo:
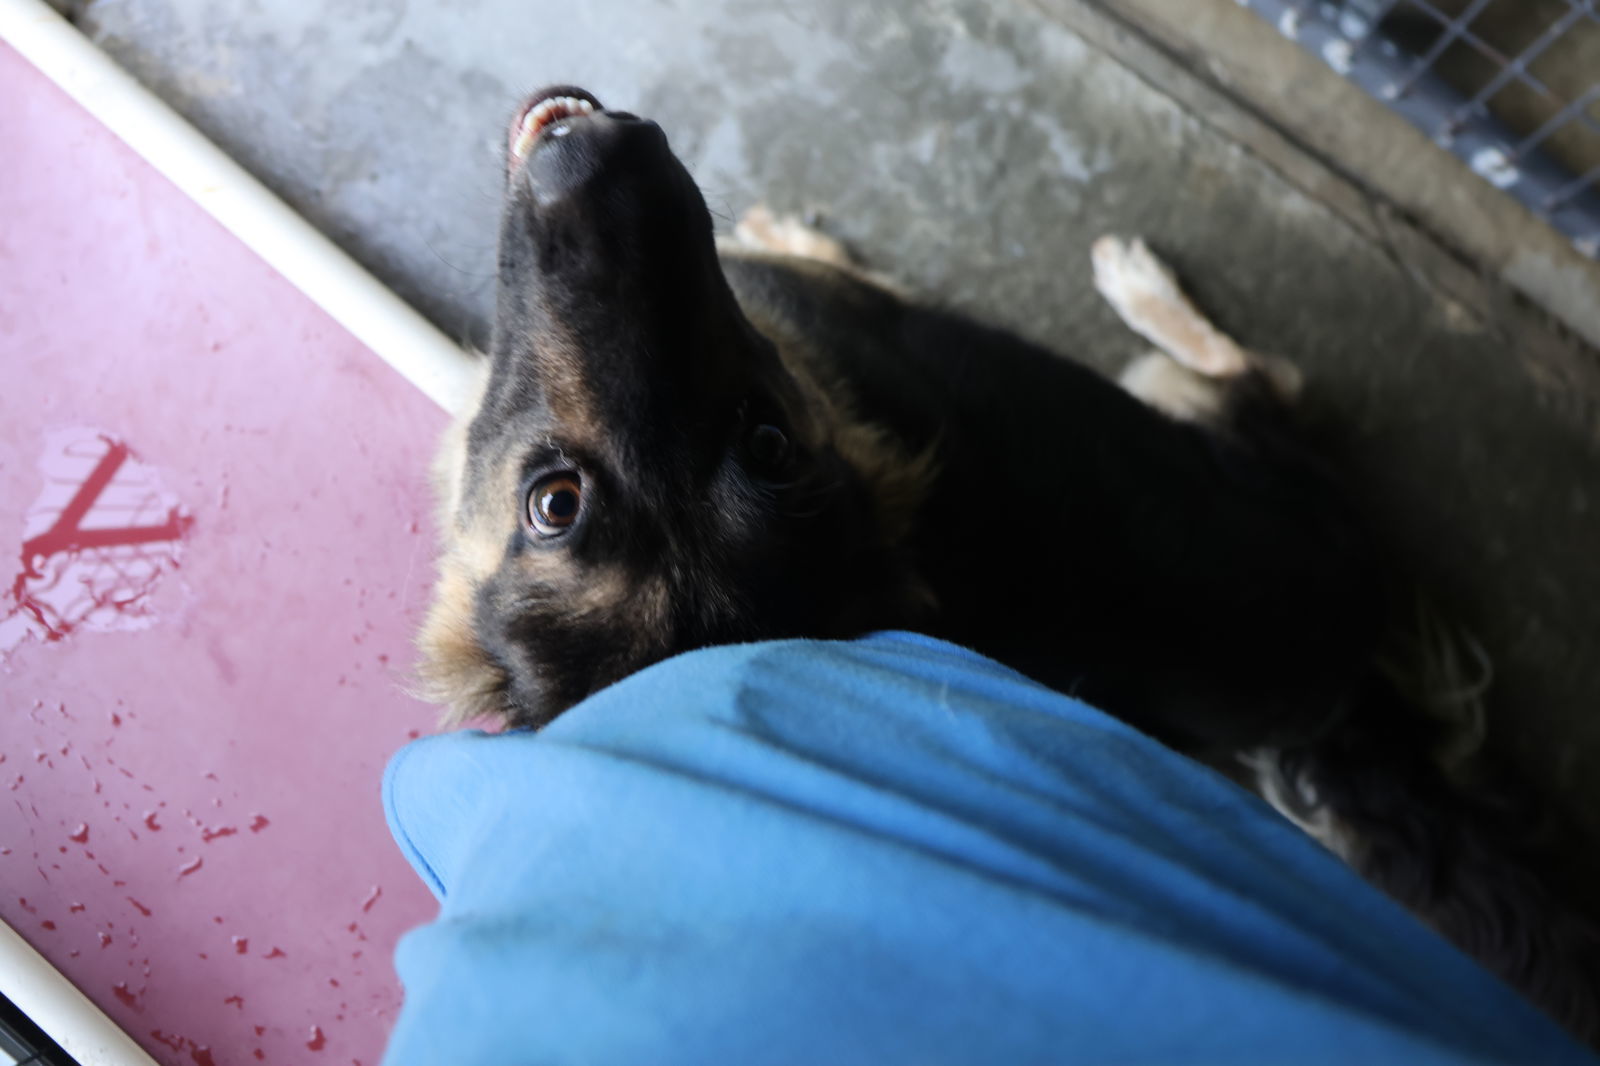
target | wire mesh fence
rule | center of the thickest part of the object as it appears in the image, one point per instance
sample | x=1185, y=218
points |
x=1512, y=87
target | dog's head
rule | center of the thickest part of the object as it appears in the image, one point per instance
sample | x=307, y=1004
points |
x=642, y=474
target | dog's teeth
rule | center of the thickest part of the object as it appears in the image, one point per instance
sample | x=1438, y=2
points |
x=524, y=142
x=542, y=115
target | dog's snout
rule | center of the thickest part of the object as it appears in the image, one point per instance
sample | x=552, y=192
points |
x=578, y=150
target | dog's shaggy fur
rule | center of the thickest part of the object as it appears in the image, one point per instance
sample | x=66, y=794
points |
x=673, y=448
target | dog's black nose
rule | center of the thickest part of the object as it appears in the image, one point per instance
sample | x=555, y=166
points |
x=576, y=151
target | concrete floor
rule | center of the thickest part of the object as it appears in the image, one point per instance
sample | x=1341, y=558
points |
x=972, y=147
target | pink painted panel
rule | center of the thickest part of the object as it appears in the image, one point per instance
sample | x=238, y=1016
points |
x=215, y=536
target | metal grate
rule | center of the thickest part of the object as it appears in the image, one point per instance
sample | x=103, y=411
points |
x=1510, y=86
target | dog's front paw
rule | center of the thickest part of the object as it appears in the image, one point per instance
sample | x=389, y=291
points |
x=1144, y=293
x=762, y=230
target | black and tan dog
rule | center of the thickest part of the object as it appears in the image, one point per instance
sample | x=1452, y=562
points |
x=675, y=448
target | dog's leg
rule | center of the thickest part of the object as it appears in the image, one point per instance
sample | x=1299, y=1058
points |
x=1144, y=293
x=1200, y=360
x=1173, y=389
x=760, y=233
x=760, y=229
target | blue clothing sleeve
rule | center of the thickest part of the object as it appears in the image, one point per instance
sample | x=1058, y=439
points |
x=893, y=850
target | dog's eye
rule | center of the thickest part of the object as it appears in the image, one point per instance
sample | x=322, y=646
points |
x=553, y=503
x=768, y=448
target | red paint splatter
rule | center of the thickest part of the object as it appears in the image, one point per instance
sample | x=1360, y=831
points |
x=80, y=835
x=140, y=907
x=241, y=944
x=56, y=599
x=74, y=908
x=208, y=835
x=258, y=823
x=237, y=1001
x=128, y=999
x=47, y=924
x=190, y=867
x=317, y=1041
x=372, y=897
x=116, y=720
x=150, y=822
x=25, y=905
x=199, y=1054
x=275, y=953
x=257, y=1053
x=260, y=1029
x=105, y=941
x=334, y=981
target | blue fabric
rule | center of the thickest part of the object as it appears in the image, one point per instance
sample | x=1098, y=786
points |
x=893, y=851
